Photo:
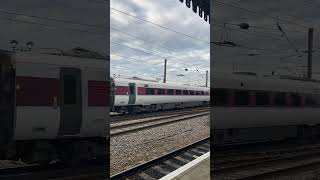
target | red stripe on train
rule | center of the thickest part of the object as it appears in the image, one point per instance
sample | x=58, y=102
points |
x=98, y=93
x=36, y=91
x=122, y=90
x=142, y=91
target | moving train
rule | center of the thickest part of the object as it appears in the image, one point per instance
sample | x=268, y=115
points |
x=53, y=105
x=131, y=96
x=250, y=108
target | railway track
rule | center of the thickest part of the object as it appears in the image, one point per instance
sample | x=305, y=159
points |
x=266, y=165
x=125, y=117
x=145, y=123
x=55, y=172
x=161, y=166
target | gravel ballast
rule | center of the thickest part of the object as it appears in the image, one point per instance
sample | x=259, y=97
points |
x=135, y=148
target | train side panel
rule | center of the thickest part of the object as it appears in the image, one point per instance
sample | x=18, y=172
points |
x=39, y=92
x=96, y=105
x=162, y=99
x=37, y=117
x=141, y=99
x=246, y=109
x=244, y=117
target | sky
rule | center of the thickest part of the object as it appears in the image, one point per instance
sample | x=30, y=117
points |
x=132, y=56
x=273, y=52
x=77, y=23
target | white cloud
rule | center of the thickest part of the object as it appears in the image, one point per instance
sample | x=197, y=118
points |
x=187, y=53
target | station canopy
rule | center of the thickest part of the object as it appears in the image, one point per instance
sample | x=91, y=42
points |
x=202, y=7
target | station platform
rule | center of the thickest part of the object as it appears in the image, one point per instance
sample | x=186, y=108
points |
x=199, y=168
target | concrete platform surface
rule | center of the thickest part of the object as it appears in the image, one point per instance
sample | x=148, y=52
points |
x=198, y=169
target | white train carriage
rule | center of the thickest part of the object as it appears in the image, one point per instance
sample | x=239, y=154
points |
x=58, y=104
x=251, y=108
x=139, y=95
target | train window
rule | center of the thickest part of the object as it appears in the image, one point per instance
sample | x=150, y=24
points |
x=160, y=91
x=70, y=93
x=242, y=97
x=295, y=99
x=191, y=92
x=202, y=93
x=149, y=91
x=132, y=89
x=170, y=91
x=178, y=92
x=197, y=92
x=310, y=100
x=220, y=97
x=280, y=99
x=185, y=92
x=121, y=90
x=262, y=98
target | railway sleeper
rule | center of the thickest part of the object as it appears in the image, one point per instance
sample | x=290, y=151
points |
x=69, y=151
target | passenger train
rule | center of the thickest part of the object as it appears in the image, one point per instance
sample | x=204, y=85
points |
x=131, y=96
x=53, y=105
x=249, y=108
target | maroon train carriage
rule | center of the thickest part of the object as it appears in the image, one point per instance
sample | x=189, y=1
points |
x=53, y=105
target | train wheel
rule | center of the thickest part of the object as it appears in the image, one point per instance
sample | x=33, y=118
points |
x=40, y=153
x=67, y=154
x=9, y=152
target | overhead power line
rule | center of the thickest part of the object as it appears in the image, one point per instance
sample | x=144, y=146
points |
x=137, y=61
x=256, y=34
x=152, y=54
x=259, y=13
x=287, y=38
x=255, y=27
x=53, y=19
x=50, y=26
x=150, y=42
x=161, y=26
x=136, y=45
x=137, y=37
x=235, y=45
x=169, y=56
x=154, y=44
x=295, y=17
x=215, y=43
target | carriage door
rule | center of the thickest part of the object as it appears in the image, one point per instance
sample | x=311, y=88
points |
x=132, y=93
x=112, y=92
x=71, y=101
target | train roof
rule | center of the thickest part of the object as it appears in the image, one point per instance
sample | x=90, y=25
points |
x=267, y=83
x=81, y=53
x=158, y=84
x=76, y=57
x=75, y=52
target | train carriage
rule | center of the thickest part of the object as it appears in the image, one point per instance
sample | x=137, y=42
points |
x=140, y=95
x=58, y=104
x=249, y=108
